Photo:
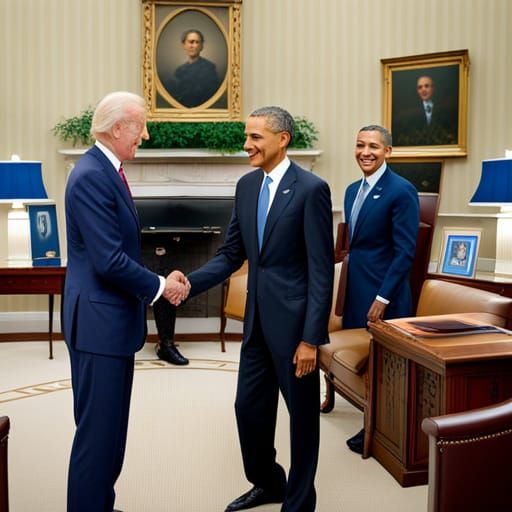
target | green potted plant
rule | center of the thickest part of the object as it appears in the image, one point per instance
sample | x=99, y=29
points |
x=225, y=137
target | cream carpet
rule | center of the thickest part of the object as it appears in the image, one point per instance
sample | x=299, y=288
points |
x=182, y=452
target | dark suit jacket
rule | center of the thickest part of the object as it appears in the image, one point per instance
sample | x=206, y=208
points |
x=382, y=249
x=107, y=288
x=290, y=281
x=411, y=129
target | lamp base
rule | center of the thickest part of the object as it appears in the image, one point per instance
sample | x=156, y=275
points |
x=504, y=245
x=18, y=235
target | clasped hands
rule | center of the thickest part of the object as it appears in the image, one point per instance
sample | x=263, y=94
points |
x=177, y=287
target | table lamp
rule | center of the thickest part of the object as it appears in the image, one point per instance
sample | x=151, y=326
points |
x=20, y=182
x=495, y=189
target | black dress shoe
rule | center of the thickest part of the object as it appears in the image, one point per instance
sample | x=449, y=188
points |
x=171, y=354
x=254, y=498
x=356, y=443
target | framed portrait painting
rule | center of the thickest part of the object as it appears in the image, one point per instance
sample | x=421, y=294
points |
x=424, y=174
x=459, y=251
x=426, y=103
x=44, y=234
x=191, y=60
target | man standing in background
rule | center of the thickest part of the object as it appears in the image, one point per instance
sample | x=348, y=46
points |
x=106, y=293
x=382, y=210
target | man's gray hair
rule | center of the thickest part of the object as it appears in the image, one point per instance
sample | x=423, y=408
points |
x=278, y=119
x=113, y=108
x=386, y=134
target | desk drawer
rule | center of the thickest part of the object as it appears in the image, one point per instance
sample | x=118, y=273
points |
x=31, y=284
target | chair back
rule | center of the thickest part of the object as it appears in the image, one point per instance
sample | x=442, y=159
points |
x=470, y=460
x=4, y=487
x=440, y=297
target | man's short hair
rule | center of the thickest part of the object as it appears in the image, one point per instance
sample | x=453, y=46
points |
x=192, y=31
x=278, y=119
x=386, y=134
x=111, y=109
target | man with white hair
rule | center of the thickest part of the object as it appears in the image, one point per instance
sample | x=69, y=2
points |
x=106, y=293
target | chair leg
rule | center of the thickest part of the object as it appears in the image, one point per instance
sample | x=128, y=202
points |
x=222, y=333
x=328, y=403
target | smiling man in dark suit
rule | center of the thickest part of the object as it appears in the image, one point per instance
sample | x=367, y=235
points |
x=290, y=253
x=106, y=293
x=382, y=210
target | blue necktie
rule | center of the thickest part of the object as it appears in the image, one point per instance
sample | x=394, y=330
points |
x=358, y=203
x=263, y=208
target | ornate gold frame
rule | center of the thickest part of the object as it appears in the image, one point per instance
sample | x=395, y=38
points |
x=156, y=15
x=431, y=64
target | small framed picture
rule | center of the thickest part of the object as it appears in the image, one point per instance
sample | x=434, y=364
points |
x=44, y=234
x=459, y=250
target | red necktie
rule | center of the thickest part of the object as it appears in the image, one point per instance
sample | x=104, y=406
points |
x=125, y=181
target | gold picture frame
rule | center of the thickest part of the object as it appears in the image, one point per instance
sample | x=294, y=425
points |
x=176, y=90
x=425, y=124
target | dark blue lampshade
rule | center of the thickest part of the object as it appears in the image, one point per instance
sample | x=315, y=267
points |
x=495, y=187
x=21, y=180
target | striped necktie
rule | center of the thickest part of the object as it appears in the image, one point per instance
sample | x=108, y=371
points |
x=358, y=203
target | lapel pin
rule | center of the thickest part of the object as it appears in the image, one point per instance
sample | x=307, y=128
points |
x=376, y=196
x=286, y=191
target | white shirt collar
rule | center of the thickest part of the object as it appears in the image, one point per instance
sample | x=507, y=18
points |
x=112, y=158
x=376, y=176
x=276, y=174
x=278, y=171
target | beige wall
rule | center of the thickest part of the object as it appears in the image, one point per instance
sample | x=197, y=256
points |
x=318, y=58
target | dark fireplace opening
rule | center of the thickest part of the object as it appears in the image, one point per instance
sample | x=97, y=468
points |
x=184, y=233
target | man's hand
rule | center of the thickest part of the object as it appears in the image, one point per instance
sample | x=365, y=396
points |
x=376, y=311
x=177, y=287
x=304, y=359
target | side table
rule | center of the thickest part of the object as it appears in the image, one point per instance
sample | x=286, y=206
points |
x=19, y=278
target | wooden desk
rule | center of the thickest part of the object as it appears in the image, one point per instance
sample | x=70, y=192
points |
x=23, y=279
x=412, y=378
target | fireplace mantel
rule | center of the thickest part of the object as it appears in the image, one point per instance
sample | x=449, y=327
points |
x=188, y=172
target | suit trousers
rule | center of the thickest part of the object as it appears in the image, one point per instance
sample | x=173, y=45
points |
x=101, y=390
x=261, y=376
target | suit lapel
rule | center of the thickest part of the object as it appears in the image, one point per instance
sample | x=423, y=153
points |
x=352, y=193
x=281, y=200
x=112, y=173
x=375, y=195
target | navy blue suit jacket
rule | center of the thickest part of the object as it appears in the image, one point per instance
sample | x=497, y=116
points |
x=290, y=281
x=382, y=249
x=107, y=287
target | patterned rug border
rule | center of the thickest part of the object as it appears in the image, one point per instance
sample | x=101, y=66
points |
x=142, y=364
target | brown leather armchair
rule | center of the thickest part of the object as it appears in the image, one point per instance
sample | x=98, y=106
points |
x=4, y=489
x=234, y=296
x=470, y=460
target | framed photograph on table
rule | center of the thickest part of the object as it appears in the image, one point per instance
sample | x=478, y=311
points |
x=426, y=104
x=44, y=234
x=191, y=59
x=459, y=251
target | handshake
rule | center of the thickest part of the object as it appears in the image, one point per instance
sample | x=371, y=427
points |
x=177, y=288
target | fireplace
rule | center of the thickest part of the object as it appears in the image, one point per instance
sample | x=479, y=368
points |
x=184, y=233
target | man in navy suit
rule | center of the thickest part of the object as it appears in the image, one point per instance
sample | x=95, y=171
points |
x=382, y=211
x=106, y=293
x=291, y=263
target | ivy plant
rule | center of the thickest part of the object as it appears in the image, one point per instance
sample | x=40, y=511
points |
x=226, y=137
